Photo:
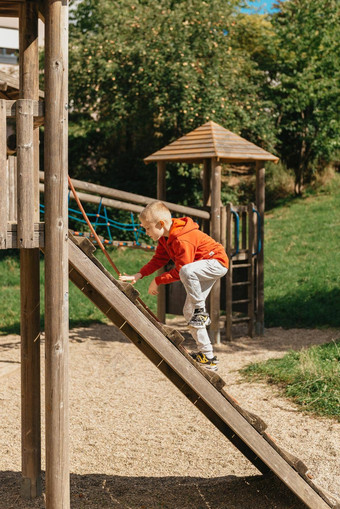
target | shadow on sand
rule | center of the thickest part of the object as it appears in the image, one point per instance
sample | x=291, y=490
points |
x=103, y=491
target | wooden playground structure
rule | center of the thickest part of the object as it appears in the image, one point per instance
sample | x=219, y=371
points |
x=241, y=235
x=65, y=257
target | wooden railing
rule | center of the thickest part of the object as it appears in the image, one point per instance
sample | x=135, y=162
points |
x=110, y=197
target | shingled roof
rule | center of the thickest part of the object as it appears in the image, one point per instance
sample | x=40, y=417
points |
x=211, y=140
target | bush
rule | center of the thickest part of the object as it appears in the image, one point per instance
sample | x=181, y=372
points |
x=279, y=184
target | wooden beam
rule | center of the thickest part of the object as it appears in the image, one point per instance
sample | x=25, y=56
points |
x=260, y=204
x=161, y=195
x=161, y=181
x=229, y=276
x=215, y=232
x=38, y=109
x=12, y=237
x=56, y=256
x=25, y=176
x=206, y=190
x=3, y=176
x=250, y=277
x=28, y=219
x=12, y=188
x=108, y=192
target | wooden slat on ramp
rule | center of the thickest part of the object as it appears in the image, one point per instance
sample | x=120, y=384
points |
x=162, y=345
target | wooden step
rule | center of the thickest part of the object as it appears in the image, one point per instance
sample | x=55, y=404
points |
x=241, y=283
x=241, y=301
x=240, y=320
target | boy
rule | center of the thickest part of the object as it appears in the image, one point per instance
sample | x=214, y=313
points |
x=199, y=262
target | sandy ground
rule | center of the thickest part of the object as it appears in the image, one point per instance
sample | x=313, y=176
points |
x=136, y=442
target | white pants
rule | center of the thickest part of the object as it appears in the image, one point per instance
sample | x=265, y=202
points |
x=198, y=279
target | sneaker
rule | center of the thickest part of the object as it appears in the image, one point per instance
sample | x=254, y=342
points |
x=200, y=319
x=214, y=359
x=203, y=361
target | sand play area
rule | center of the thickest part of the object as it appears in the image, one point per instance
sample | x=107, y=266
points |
x=137, y=443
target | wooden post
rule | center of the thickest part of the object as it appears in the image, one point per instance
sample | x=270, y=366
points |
x=260, y=204
x=3, y=176
x=250, y=277
x=56, y=255
x=161, y=195
x=206, y=189
x=25, y=173
x=161, y=181
x=28, y=213
x=215, y=229
x=229, y=277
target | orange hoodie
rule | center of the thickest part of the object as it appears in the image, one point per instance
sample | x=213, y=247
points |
x=185, y=244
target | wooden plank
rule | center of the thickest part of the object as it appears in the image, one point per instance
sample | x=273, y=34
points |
x=25, y=175
x=178, y=150
x=38, y=109
x=222, y=408
x=223, y=156
x=216, y=145
x=3, y=176
x=56, y=256
x=12, y=237
x=253, y=419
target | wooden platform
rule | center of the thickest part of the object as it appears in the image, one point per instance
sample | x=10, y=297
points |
x=120, y=302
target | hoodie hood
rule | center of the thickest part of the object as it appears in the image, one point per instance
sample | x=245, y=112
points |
x=181, y=226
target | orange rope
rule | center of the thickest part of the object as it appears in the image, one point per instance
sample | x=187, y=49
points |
x=91, y=227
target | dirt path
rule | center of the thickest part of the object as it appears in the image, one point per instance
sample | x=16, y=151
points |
x=137, y=443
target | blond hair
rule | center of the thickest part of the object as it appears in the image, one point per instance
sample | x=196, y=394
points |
x=154, y=212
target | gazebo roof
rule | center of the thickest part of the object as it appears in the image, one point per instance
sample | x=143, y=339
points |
x=208, y=141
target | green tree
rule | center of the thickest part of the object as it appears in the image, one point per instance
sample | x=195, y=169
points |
x=304, y=84
x=143, y=73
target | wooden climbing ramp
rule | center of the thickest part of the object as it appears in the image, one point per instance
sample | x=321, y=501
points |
x=120, y=302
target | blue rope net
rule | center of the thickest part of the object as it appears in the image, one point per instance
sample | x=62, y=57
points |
x=101, y=221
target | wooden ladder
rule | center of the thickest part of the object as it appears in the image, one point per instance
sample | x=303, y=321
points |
x=162, y=345
x=240, y=280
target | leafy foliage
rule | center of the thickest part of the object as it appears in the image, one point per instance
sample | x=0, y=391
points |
x=144, y=73
x=305, y=79
x=298, y=49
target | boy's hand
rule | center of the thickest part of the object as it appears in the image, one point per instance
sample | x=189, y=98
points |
x=153, y=288
x=130, y=279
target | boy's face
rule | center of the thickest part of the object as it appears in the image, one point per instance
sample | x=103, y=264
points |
x=154, y=230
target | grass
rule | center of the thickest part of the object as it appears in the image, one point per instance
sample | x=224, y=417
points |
x=310, y=377
x=82, y=311
x=302, y=261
